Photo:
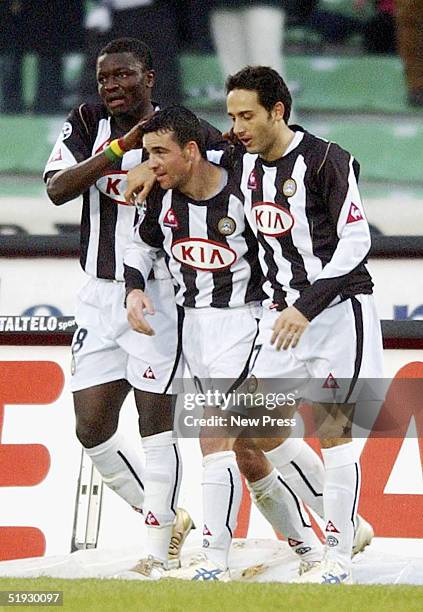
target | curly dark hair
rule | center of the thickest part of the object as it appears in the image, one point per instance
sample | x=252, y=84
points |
x=268, y=84
x=130, y=45
x=182, y=122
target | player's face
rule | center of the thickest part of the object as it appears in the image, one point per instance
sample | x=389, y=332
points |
x=170, y=163
x=256, y=127
x=123, y=84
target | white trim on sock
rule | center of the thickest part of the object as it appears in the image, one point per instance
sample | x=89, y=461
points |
x=285, y=452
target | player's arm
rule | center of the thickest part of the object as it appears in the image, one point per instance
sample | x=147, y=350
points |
x=70, y=182
x=339, y=183
x=140, y=182
x=140, y=255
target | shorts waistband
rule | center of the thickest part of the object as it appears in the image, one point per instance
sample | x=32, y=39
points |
x=204, y=310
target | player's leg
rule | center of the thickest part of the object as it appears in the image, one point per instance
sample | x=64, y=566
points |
x=217, y=347
x=277, y=501
x=272, y=375
x=227, y=27
x=345, y=361
x=163, y=473
x=97, y=406
x=153, y=365
x=264, y=30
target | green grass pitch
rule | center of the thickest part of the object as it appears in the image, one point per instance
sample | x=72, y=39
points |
x=171, y=596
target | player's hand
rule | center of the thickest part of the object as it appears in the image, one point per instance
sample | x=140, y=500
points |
x=133, y=138
x=136, y=303
x=140, y=182
x=288, y=328
x=230, y=137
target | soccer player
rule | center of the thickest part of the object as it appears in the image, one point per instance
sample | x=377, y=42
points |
x=302, y=200
x=97, y=146
x=196, y=216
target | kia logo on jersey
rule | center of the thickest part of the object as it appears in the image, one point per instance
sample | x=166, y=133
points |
x=272, y=219
x=113, y=185
x=203, y=254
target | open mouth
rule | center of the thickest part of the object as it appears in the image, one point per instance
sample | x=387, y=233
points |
x=246, y=141
x=115, y=102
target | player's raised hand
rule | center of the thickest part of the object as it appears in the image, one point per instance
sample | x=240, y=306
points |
x=137, y=303
x=288, y=328
x=133, y=138
x=230, y=137
x=140, y=182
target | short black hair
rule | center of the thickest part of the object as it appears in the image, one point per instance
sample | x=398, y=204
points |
x=130, y=45
x=268, y=84
x=182, y=122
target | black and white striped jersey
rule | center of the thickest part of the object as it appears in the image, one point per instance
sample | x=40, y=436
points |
x=306, y=211
x=209, y=248
x=106, y=221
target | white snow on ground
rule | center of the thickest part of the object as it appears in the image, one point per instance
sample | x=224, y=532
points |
x=377, y=565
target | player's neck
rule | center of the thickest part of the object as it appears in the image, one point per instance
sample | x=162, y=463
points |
x=205, y=181
x=279, y=145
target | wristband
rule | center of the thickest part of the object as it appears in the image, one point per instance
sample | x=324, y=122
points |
x=116, y=148
x=111, y=155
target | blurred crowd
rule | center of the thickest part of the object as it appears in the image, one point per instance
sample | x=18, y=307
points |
x=240, y=32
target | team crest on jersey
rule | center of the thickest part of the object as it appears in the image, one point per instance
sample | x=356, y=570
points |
x=252, y=181
x=226, y=226
x=170, y=219
x=202, y=254
x=113, y=185
x=354, y=214
x=289, y=188
x=272, y=219
x=66, y=130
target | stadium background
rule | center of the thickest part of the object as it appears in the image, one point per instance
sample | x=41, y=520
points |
x=340, y=93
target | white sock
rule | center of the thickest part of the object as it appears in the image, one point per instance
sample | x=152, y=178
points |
x=122, y=469
x=285, y=512
x=163, y=472
x=340, y=498
x=221, y=500
x=302, y=468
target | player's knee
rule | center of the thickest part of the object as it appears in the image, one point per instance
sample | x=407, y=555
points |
x=335, y=441
x=214, y=445
x=91, y=432
x=252, y=462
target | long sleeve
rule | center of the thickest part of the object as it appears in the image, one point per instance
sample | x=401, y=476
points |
x=338, y=180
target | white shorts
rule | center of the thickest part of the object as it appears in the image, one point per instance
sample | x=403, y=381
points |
x=217, y=344
x=340, y=346
x=105, y=348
